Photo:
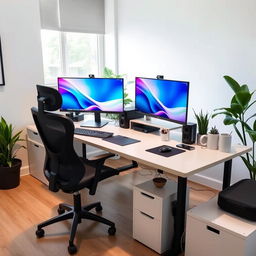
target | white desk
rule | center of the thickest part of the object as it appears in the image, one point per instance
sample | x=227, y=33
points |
x=183, y=165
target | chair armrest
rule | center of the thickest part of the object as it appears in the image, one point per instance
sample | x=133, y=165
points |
x=102, y=156
x=97, y=162
x=99, y=159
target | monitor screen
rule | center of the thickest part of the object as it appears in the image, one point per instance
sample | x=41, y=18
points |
x=91, y=94
x=165, y=99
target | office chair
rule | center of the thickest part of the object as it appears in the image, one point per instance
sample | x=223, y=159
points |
x=64, y=169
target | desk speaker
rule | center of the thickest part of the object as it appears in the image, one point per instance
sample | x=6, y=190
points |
x=126, y=116
x=189, y=133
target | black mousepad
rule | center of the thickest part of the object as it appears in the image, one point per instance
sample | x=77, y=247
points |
x=121, y=140
x=175, y=151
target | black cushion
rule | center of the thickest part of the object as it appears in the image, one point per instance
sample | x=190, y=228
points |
x=240, y=199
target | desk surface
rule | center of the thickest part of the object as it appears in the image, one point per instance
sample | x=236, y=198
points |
x=184, y=164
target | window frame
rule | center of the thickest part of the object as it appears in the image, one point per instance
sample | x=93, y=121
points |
x=63, y=56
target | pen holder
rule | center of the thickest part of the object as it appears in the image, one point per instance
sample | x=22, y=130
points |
x=164, y=133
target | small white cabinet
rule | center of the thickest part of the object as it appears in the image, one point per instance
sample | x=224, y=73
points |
x=36, y=154
x=152, y=214
x=213, y=232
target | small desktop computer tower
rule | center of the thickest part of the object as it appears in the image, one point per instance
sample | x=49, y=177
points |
x=189, y=133
x=126, y=116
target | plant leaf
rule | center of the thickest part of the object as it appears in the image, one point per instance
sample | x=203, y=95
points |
x=252, y=134
x=222, y=113
x=243, y=98
x=250, y=117
x=245, y=88
x=232, y=83
x=239, y=134
x=230, y=120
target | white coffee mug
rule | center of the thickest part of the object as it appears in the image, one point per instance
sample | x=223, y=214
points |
x=164, y=133
x=211, y=141
x=225, y=142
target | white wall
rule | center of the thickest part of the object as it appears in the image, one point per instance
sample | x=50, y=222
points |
x=22, y=60
x=197, y=41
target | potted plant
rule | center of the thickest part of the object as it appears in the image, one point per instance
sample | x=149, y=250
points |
x=212, y=138
x=240, y=114
x=202, y=124
x=9, y=164
x=108, y=73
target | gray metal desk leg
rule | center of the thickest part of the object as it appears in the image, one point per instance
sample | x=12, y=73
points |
x=227, y=174
x=180, y=215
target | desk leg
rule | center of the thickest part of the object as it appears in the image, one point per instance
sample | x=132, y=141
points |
x=180, y=216
x=84, y=150
x=227, y=174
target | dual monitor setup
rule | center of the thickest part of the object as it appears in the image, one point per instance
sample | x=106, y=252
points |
x=159, y=98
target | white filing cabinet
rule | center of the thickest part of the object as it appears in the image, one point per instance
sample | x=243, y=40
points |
x=152, y=214
x=36, y=154
x=213, y=232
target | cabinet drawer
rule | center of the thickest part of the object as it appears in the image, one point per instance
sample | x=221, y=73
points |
x=207, y=239
x=36, y=158
x=147, y=203
x=34, y=135
x=146, y=229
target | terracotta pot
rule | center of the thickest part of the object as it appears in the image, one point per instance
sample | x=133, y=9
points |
x=10, y=176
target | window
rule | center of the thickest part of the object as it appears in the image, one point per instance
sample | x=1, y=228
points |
x=71, y=54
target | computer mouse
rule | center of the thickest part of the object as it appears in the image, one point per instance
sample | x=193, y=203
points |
x=165, y=149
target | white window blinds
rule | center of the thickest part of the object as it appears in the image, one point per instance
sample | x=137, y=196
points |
x=73, y=15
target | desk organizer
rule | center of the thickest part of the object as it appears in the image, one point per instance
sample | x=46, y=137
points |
x=213, y=232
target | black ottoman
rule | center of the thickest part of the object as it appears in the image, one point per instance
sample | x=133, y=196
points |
x=240, y=199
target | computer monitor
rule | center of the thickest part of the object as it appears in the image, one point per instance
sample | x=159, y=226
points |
x=164, y=99
x=98, y=95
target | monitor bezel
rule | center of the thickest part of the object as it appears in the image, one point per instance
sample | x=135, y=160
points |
x=160, y=117
x=92, y=111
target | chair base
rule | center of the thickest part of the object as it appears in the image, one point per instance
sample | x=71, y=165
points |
x=77, y=213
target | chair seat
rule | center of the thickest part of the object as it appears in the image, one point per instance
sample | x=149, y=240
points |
x=240, y=199
x=89, y=176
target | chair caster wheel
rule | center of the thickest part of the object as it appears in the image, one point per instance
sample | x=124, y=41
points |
x=60, y=211
x=98, y=208
x=72, y=249
x=111, y=231
x=40, y=233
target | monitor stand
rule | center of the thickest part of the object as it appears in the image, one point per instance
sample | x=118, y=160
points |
x=96, y=123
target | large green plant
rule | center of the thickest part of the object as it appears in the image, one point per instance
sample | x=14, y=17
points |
x=108, y=73
x=202, y=122
x=7, y=143
x=243, y=120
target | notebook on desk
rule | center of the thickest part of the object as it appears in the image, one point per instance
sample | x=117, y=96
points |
x=121, y=140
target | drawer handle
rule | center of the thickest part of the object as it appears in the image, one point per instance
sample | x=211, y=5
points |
x=35, y=133
x=214, y=230
x=144, y=194
x=143, y=213
x=36, y=145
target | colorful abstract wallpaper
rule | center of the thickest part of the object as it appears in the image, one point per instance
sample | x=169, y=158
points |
x=162, y=98
x=91, y=94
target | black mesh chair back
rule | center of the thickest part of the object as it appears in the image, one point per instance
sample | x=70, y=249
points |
x=63, y=167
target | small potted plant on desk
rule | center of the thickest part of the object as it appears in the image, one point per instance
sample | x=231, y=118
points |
x=202, y=124
x=212, y=139
x=9, y=164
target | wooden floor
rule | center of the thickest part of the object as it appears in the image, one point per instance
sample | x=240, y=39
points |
x=22, y=208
